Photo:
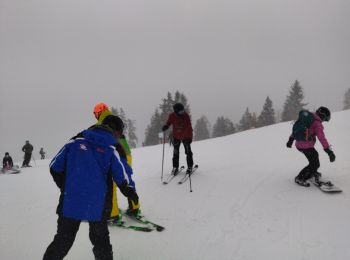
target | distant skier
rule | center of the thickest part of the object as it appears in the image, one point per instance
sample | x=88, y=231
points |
x=42, y=153
x=305, y=130
x=27, y=149
x=182, y=133
x=7, y=162
x=83, y=170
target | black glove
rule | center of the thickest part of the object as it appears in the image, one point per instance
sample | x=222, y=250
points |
x=290, y=142
x=129, y=192
x=330, y=154
x=164, y=128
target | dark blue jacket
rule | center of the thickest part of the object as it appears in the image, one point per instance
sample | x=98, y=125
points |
x=83, y=169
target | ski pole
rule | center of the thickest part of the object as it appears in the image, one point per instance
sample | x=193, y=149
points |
x=163, y=157
x=34, y=160
x=189, y=176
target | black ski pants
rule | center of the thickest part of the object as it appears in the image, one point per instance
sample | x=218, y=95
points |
x=188, y=152
x=66, y=232
x=314, y=163
x=27, y=157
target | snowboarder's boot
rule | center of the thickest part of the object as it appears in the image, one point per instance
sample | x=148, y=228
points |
x=301, y=182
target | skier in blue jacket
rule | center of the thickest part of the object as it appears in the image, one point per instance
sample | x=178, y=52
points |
x=83, y=170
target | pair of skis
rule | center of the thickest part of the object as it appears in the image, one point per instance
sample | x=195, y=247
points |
x=150, y=226
x=184, y=178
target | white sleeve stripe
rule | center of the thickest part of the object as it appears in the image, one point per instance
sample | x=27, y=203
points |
x=54, y=159
x=118, y=157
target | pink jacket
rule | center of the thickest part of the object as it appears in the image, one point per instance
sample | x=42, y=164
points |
x=316, y=129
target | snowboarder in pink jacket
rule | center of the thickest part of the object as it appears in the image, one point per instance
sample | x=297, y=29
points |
x=306, y=145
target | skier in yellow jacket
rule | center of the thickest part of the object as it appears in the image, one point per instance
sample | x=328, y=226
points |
x=104, y=115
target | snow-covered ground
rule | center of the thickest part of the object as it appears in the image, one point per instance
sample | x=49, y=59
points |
x=244, y=204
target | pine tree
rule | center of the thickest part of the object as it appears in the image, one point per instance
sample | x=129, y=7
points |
x=347, y=99
x=247, y=121
x=181, y=98
x=152, y=130
x=293, y=103
x=166, y=107
x=223, y=126
x=133, y=140
x=129, y=126
x=201, y=129
x=267, y=116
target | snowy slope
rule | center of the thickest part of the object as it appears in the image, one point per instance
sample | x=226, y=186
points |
x=244, y=204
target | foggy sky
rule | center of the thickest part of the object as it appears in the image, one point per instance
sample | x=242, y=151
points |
x=59, y=58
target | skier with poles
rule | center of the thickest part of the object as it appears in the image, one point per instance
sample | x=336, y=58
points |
x=83, y=170
x=182, y=133
x=305, y=130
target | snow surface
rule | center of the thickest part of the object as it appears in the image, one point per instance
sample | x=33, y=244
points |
x=244, y=204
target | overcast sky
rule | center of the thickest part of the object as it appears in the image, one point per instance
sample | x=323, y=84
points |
x=59, y=58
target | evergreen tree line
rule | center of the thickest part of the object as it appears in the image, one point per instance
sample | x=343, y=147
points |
x=223, y=125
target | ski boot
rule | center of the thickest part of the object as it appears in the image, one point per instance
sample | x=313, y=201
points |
x=175, y=171
x=301, y=182
x=133, y=212
x=189, y=170
x=117, y=220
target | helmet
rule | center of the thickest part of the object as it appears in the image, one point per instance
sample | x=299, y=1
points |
x=179, y=109
x=99, y=108
x=7, y=153
x=114, y=122
x=324, y=113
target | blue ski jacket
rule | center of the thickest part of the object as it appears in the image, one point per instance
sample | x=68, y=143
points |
x=83, y=169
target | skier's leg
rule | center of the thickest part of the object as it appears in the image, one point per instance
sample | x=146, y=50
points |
x=188, y=152
x=63, y=240
x=99, y=237
x=176, y=154
x=115, y=207
x=26, y=159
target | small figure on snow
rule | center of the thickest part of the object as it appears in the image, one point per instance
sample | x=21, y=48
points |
x=182, y=133
x=305, y=130
x=42, y=153
x=7, y=162
x=27, y=149
x=83, y=170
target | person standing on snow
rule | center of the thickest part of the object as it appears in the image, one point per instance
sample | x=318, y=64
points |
x=42, y=153
x=84, y=170
x=7, y=162
x=104, y=115
x=182, y=133
x=27, y=149
x=306, y=146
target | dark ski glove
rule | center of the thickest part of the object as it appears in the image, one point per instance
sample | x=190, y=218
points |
x=330, y=154
x=164, y=128
x=290, y=142
x=129, y=192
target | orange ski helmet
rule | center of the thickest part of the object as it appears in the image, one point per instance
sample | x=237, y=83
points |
x=99, y=108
